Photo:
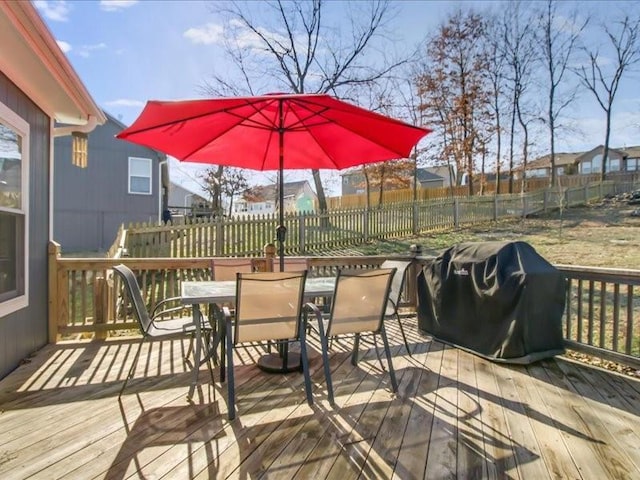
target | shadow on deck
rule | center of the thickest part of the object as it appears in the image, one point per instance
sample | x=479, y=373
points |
x=454, y=415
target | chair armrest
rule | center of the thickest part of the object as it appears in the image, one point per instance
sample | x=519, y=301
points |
x=159, y=309
x=310, y=306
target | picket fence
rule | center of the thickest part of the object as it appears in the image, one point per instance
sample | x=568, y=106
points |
x=314, y=233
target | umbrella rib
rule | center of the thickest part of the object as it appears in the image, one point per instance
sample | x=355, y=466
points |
x=233, y=114
x=328, y=120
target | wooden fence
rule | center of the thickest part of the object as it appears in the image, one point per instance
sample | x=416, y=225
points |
x=480, y=188
x=602, y=315
x=336, y=229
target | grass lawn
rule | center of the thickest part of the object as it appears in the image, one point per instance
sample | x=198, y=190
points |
x=602, y=235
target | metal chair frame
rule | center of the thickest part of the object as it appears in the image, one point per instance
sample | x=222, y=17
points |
x=151, y=324
x=381, y=295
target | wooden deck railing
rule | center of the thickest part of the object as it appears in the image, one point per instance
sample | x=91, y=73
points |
x=86, y=299
x=602, y=314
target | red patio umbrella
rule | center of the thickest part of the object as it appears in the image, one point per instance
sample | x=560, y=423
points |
x=273, y=132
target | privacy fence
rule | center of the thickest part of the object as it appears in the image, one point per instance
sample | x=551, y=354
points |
x=309, y=233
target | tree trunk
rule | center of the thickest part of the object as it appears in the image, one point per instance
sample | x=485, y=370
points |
x=605, y=151
x=552, y=140
x=322, y=199
x=511, y=140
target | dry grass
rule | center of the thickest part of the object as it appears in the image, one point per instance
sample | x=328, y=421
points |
x=602, y=235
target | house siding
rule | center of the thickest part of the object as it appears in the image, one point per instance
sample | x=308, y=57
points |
x=91, y=203
x=25, y=330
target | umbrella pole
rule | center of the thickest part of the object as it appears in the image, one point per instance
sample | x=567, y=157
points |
x=281, y=231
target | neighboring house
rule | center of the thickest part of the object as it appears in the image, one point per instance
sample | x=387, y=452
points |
x=123, y=183
x=428, y=179
x=38, y=87
x=541, y=167
x=446, y=172
x=620, y=160
x=182, y=200
x=353, y=182
x=260, y=200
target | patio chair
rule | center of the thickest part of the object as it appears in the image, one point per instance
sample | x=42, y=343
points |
x=226, y=268
x=358, y=307
x=397, y=285
x=268, y=307
x=152, y=324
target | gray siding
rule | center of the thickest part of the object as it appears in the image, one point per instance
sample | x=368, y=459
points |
x=91, y=203
x=25, y=331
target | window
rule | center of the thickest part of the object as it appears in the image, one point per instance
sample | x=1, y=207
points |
x=14, y=201
x=585, y=167
x=140, y=175
x=613, y=165
x=632, y=164
x=538, y=172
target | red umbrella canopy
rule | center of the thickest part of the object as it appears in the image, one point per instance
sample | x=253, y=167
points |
x=269, y=132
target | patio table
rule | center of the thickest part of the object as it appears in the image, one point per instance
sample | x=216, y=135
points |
x=195, y=293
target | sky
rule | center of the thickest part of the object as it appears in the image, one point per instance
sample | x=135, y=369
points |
x=127, y=52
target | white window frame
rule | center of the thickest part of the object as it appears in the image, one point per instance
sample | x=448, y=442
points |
x=610, y=163
x=20, y=126
x=148, y=160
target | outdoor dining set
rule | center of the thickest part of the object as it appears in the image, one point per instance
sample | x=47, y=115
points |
x=272, y=308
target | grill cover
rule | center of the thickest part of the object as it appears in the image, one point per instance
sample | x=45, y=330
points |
x=500, y=300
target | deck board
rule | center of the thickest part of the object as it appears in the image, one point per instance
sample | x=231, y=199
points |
x=455, y=415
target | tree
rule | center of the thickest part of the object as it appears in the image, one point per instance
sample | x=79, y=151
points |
x=300, y=52
x=602, y=75
x=496, y=78
x=558, y=41
x=220, y=182
x=454, y=87
x=520, y=57
x=387, y=176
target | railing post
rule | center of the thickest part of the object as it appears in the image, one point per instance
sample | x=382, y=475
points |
x=53, y=256
x=365, y=224
x=456, y=213
x=100, y=299
x=412, y=287
x=415, y=218
x=301, y=232
x=219, y=237
x=269, y=256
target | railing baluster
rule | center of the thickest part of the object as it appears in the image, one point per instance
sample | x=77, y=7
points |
x=629, y=340
x=603, y=313
x=616, y=316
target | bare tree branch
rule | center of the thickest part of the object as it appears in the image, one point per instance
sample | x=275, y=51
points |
x=603, y=80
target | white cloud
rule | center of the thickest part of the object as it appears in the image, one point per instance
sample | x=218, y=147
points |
x=625, y=131
x=206, y=35
x=86, y=50
x=125, y=102
x=57, y=11
x=64, y=46
x=116, y=5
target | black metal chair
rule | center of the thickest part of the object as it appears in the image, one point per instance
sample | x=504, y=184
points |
x=152, y=324
x=397, y=285
x=358, y=307
x=268, y=307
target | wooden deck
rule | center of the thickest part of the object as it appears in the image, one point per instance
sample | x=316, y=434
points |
x=455, y=415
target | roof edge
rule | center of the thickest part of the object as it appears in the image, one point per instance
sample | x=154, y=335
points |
x=41, y=41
